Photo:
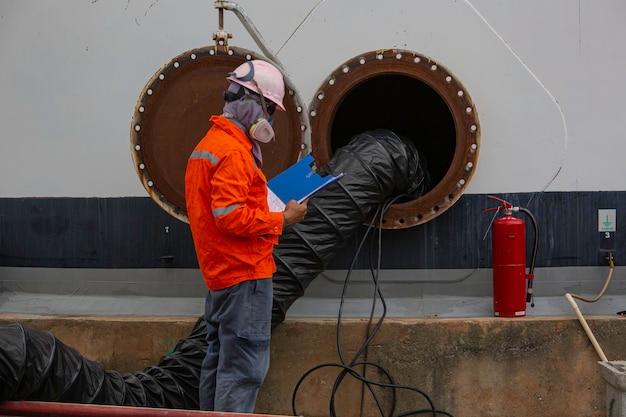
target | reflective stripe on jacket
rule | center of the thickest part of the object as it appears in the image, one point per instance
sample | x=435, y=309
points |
x=226, y=195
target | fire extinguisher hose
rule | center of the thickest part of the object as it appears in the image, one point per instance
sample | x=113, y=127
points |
x=533, y=259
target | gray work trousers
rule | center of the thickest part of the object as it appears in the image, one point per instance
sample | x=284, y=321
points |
x=238, y=322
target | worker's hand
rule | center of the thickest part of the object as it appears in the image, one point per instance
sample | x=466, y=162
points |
x=294, y=212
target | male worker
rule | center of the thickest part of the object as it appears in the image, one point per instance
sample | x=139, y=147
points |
x=234, y=233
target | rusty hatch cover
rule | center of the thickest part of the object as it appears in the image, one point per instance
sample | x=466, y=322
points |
x=172, y=115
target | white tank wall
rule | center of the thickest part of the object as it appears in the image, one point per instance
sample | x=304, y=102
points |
x=546, y=78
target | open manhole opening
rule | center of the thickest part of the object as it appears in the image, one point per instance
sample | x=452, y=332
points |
x=414, y=97
x=406, y=106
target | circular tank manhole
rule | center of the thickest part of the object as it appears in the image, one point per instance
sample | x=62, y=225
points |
x=172, y=115
x=415, y=97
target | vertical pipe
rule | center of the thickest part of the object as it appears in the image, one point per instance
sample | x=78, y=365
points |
x=260, y=41
x=252, y=30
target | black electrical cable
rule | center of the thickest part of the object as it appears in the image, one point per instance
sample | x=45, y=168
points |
x=369, y=334
x=348, y=368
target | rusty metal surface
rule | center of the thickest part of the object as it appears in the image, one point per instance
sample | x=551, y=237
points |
x=172, y=115
x=453, y=143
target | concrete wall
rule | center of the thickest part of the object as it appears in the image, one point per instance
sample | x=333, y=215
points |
x=479, y=367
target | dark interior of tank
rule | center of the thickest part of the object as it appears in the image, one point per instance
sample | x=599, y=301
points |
x=405, y=105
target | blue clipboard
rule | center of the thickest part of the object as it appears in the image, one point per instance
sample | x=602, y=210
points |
x=300, y=181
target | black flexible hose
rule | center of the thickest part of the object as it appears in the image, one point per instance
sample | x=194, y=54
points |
x=36, y=366
x=377, y=165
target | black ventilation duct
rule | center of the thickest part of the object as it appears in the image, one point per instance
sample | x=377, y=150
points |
x=378, y=165
x=36, y=366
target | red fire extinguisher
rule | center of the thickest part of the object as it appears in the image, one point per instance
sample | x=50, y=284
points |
x=512, y=286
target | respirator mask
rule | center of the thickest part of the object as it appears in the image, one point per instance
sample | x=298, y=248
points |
x=262, y=129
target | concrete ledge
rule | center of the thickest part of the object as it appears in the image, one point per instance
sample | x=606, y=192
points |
x=478, y=367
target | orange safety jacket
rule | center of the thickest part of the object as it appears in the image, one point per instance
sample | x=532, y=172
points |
x=226, y=195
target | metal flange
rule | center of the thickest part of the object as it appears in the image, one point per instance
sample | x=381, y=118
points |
x=412, y=95
x=172, y=115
